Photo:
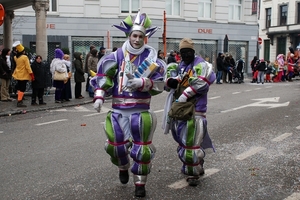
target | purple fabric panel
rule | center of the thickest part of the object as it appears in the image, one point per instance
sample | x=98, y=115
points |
x=119, y=135
x=135, y=127
x=206, y=143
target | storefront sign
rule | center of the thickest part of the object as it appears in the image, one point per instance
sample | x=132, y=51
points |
x=254, y=7
x=205, y=30
x=50, y=26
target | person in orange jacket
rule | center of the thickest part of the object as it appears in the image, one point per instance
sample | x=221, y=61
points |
x=22, y=73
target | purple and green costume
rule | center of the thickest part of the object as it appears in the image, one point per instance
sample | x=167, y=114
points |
x=130, y=126
x=192, y=135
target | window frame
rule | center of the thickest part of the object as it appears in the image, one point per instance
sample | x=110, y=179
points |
x=234, y=5
x=51, y=10
x=268, y=17
x=298, y=9
x=130, y=8
x=205, y=2
x=283, y=19
x=173, y=8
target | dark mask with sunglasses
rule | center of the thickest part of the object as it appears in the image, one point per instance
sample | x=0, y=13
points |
x=187, y=55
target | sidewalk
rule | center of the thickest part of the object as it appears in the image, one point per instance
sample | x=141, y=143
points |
x=10, y=108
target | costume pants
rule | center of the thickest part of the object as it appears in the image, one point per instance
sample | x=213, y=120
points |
x=125, y=129
x=189, y=135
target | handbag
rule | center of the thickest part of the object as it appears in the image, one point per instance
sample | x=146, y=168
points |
x=59, y=76
x=182, y=110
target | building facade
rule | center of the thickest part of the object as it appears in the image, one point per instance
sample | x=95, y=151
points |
x=279, y=27
x=78, y=24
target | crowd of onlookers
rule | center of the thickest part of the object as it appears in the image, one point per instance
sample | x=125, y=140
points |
x=18, y=70
x=284, y=68
x=15, y=65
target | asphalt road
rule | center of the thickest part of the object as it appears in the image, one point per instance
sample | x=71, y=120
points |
x=59, y=153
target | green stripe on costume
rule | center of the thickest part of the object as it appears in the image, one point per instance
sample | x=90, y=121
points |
x=146, y=125
x=109, y=127
x=190, y=140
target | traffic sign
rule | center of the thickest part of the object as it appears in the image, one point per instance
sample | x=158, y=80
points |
x=259, y=40
x=2, y=14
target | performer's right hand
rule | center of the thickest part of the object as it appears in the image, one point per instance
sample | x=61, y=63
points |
x=98, y=104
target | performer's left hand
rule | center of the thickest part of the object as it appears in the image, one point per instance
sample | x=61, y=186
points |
x=134, y=83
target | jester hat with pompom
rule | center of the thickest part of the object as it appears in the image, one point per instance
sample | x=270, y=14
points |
x=141, y=23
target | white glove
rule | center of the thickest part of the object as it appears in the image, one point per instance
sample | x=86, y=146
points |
x=182, y=98
x=98, y=104
x=134, y=83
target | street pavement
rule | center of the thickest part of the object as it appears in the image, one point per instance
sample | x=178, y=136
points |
x=10, y=108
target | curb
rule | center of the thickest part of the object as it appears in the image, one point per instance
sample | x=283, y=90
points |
x=42, y=108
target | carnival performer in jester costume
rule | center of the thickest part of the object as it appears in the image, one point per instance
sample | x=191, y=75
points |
x=132, y=74
x=189, y=81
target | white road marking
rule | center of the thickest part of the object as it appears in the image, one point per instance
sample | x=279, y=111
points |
x=248, y=90
x=282, y=137
x=51, y=122
x=294, y=196
x=91, y=115
x=81, y=109
x=158, y=111
x=61, y=110
x=249, y=153
x=217, y=97
x=1, y=131
x=236, y=93
x=263, y=102
x=298, y=127
x=183, y=183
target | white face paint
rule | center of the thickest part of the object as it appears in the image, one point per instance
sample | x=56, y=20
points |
x=136, y=39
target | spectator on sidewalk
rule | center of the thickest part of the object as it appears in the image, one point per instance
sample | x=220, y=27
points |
x=66, y=94
x=92, y=66
x=58, y=64
x=86, y=70
x=101, y=52
x=22, y=73
x=171, y=57
x=220, y=67
x=261, y=68
x=5, y=74
x=78, y=75
x=38, y=85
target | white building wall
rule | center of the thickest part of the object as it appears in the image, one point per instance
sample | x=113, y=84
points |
x=275, y=27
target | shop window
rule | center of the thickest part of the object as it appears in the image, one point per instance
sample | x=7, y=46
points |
x=204, y=9
x=268, y=17
x=298, y=13
x=267, y=49
x=130, y=6
x=173, y=7
x=235, y=10
x=281, y=45
x=283, y=15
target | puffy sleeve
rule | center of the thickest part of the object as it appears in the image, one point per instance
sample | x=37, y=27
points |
x=104, y=80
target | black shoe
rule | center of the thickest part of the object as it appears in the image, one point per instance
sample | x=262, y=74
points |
x=140, y=191
x=42, y=103
x=193, y=180
x=20, y=104
x=34, y=104
x=124, y=176
x=56, y=101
